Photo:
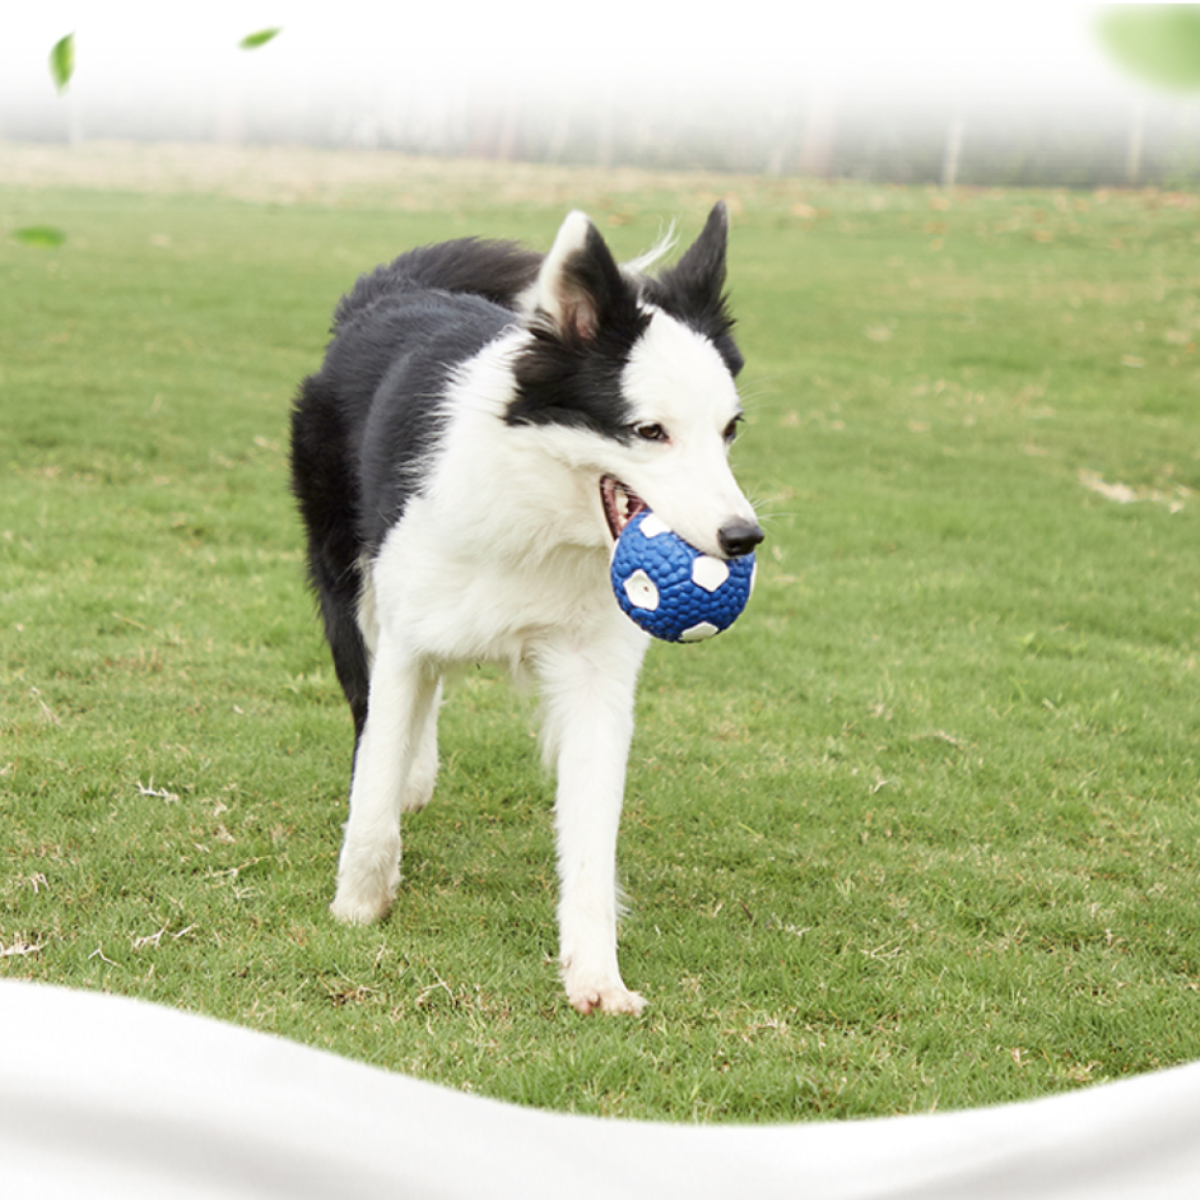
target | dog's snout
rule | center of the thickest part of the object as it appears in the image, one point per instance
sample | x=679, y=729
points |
x=738, y=538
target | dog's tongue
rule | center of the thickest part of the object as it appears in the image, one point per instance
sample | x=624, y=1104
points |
x=621, y=504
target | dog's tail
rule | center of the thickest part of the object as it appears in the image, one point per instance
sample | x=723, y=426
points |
x=494, y=270
x=327, y=495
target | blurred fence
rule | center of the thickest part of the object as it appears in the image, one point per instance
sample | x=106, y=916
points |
x=1064, y=141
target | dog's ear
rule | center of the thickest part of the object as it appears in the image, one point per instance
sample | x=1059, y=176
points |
x=693, y=289
x=580, y=286
x=699, y=276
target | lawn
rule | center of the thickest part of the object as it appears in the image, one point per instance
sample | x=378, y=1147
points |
x=920, y=831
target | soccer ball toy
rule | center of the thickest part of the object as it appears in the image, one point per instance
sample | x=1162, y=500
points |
x=670, y=588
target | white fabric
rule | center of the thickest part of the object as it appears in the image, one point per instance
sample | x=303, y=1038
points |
x=102, y=1096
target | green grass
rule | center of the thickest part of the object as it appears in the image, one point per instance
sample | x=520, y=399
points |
x=920, y=831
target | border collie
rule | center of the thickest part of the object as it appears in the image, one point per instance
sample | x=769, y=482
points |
x=484, y=424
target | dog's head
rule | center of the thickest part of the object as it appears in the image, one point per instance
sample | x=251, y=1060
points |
x=634, y=374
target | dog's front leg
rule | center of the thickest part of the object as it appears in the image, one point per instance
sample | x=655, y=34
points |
x=401, y=703
x=589, y=724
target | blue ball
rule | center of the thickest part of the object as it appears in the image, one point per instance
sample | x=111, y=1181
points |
x=670, y=588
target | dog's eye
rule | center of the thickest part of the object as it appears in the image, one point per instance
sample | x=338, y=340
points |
x=732, y=428
x=650, y=431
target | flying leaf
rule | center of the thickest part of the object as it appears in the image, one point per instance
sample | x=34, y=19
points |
x=62, y=62
x=1159, y=42
x=45, y=237
x=252, y=41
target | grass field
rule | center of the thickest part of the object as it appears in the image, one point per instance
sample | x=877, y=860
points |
x=920, y=831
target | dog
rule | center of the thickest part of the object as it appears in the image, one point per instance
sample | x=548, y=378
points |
x=486, y=421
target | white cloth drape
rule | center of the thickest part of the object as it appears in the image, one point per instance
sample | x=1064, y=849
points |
x=102, y=1096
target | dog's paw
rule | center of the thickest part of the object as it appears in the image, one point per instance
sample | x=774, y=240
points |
x=364, y=895
x=416, y=796
x=354, y=911
x=605, y=998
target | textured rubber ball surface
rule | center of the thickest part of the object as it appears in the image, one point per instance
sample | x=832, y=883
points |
x=670, y=588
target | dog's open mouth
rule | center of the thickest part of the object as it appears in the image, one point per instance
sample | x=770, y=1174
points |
x=621, y=504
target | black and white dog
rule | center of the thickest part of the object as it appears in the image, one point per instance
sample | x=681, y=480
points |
x=485, y=423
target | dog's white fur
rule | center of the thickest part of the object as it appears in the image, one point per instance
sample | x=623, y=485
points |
x=503, y=555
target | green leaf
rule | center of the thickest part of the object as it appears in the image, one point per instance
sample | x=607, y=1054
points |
x=62, y=62
x=252, y=41
x=1159, y=42
x=45, y=237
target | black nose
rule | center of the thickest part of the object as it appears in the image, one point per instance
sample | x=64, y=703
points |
x=738, y=538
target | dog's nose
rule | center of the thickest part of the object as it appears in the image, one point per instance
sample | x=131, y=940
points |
x=738, y=538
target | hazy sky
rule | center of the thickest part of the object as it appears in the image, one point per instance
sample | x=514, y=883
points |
x=147, y=50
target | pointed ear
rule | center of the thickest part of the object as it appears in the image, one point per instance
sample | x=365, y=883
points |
x=700, y=274
x=693, y=289
x=580, y=284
